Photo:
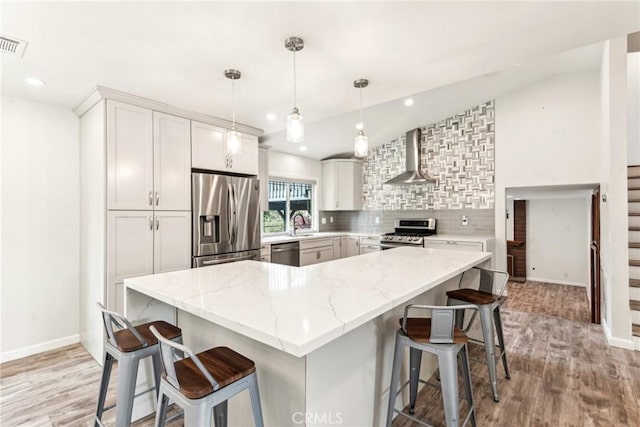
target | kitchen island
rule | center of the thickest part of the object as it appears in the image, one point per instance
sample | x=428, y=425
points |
x=321, y=336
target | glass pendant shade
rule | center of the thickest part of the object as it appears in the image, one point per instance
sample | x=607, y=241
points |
x=295, y=127
x=361, y=145
x=234, y=142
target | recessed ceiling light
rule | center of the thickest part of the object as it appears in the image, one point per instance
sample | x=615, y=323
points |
x=509, y=197
x=303, y=148
x=517, y=65
x=518, y=198
x=359, y=126
x=408, y=102
x=34, y=82
x=271, y=116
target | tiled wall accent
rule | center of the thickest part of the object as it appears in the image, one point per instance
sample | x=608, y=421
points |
x=458, y=151
x=449, y=221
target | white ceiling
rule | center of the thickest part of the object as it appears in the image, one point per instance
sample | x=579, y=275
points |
x=175, y=52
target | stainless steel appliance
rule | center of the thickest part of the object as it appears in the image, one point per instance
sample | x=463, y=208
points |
x=408, y=232
x=226, y=222
x=286, y=253
x=413, y=173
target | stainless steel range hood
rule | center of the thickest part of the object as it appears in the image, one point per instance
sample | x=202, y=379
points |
x=413, y=174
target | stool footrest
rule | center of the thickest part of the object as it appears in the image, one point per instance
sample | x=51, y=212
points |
x=411, y=417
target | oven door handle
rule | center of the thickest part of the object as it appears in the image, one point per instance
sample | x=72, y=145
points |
x=389, y=246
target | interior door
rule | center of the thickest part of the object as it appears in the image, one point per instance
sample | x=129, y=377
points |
x=596, y=295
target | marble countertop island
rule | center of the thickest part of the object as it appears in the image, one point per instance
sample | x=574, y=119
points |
x=299, y=309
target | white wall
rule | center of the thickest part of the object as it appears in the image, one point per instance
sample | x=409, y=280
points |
x=633, y=103
x=558, y=241
x=613, y=213
x=40, y=228
x=546, y=134
x=509, y=220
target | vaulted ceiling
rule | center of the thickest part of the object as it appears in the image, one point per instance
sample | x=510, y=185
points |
x=175, y=52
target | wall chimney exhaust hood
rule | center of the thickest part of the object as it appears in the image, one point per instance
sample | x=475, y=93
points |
x=413, y=174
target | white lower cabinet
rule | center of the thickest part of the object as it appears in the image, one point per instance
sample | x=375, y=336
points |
x=144, y=242
x=350, y=246
x=315, y=251
x=316, y=255
x=337, y=245
x=369, y=244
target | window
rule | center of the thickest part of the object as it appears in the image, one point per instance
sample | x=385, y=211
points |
x=289, y=203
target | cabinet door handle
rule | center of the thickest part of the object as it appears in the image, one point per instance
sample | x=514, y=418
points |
x=318, y=255
x=157, y=198
x=157, y=222
x=150, y=198
x=451, y=242
x=150, y=223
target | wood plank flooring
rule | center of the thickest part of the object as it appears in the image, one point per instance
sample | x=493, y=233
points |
x=563, y=374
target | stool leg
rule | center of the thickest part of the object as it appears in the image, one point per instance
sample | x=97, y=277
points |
x=104, y=385
x=466, y=374
x=197, y=416
x=127, y=375
x=486, y=320
x=498, y=320
x=254, y=392
x=157, y=370
x=220, y=414
x=447, y=359
x=395, y=378
x=161, y=412
x=459, y=314
x=415, y=357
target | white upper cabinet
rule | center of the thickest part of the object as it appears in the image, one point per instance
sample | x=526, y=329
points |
x=342, y=184
x=207, y=146
x=171, y=162
x=129, y=157
x=246, y=161
x=209, y=150
x=148, y=159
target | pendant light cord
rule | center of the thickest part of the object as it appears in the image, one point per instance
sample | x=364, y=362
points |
x=233, y=102
x=294, y=80
x=361, y=122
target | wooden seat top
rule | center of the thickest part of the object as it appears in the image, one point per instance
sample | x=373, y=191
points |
x=127, y=342
x=473, y=296
x=419, y=330
x=225, y=366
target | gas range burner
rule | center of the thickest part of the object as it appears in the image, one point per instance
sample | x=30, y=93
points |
x=409, y=232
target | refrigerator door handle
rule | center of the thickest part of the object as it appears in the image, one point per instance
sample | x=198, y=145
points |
x=229, y=213
x=235, y=216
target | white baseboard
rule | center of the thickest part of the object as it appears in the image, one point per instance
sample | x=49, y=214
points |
x=30, y=350
x=556, y=282
x=614, y=341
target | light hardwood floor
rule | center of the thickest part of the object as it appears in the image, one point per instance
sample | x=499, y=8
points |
x=563, y=374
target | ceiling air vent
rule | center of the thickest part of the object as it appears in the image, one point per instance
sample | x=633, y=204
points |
x=12, y=46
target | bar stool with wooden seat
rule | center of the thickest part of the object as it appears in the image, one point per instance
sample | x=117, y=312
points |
x=488, y=307
x=439, y=336
x=200, y=383
x=128, y=345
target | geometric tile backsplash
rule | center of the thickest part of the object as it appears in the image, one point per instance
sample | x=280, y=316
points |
x=459, y=152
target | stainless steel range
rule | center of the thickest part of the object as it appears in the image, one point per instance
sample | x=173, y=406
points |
x=408, y=232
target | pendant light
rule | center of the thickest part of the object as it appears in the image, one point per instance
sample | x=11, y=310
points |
x=361, y=146
x=234, y=139
x=295, y=121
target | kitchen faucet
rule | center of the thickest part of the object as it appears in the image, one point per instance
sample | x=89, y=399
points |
x=293, y=218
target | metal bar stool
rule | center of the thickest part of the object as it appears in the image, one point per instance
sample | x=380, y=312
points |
x=488, y=306
x=204, y=382
x=439, y=336
x=128, y=345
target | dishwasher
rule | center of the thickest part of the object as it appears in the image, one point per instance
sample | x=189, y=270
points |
x=286, y=253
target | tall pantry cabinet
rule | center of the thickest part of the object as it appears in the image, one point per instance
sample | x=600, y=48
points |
x=135, y=204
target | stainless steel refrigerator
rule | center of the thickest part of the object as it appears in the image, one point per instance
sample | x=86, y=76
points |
x=226, y=222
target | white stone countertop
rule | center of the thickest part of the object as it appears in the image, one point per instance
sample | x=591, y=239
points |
x=314, y=235
x=299, y=309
